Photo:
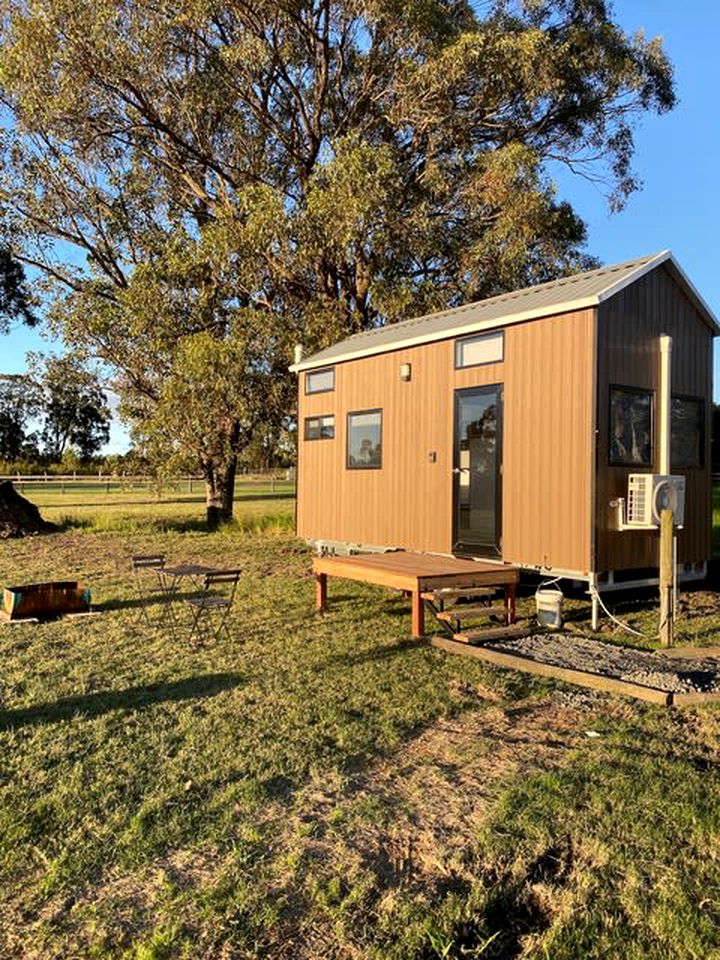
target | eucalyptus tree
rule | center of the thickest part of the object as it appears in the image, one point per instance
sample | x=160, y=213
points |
x=16, y=301
x=18, y=407
x=202, y=184
x=70, y=405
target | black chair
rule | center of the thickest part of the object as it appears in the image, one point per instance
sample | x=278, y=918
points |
x=209, y=611
x=147, y=572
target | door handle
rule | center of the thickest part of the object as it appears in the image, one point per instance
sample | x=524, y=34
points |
x=461, y=470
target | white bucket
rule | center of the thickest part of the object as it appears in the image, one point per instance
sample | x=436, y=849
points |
x=548, y=603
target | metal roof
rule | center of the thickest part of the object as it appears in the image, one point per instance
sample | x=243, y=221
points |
x=577, y=292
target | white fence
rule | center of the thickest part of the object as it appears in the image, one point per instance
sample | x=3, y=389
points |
x=278, y=481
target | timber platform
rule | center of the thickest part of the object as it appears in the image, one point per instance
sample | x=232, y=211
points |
x=424, y=576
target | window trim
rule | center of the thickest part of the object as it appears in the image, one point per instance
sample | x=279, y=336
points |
x=478, y=336
x=703, y=417
x=309, y=373
x=318, y=416
x=361, y=413
x=638, y=391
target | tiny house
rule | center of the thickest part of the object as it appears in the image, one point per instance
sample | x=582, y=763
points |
x=510, y=429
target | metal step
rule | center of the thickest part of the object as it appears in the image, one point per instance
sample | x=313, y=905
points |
x=478, y=637
x=470, y=613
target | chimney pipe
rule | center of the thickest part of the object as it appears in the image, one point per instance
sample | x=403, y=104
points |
x=665, y=402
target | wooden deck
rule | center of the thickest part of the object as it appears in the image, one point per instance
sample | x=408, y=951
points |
x=417, y=574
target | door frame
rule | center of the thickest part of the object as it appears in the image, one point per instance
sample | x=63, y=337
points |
x=493, y=551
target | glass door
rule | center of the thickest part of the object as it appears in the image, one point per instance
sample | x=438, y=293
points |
x=477, y=471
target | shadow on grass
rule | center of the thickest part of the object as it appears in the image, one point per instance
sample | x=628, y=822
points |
x=153, y=604
x=134, y=698
x=381, y=653
x=130, y=523
x=145, y=524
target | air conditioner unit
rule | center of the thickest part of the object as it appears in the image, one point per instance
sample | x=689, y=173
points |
x=649, y=494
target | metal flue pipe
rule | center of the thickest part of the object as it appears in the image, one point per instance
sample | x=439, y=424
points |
x=664, y=395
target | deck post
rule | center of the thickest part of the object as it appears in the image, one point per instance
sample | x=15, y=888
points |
x=418, y=614
x=510, y=594
x=667, y=627
x=320, y=592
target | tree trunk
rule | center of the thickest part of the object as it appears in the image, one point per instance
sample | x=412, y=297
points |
x=219, y=492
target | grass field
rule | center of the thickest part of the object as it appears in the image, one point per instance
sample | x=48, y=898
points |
x=323, y=787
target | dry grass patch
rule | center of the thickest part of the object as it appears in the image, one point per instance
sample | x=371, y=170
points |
x=404, y=830
x=339, y=857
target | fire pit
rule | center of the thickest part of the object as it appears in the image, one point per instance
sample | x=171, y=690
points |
x=43, y=601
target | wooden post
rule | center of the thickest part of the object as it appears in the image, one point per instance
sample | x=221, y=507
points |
x=666, y=578
x=418, y=614
x=510, y=595
x=320, y=592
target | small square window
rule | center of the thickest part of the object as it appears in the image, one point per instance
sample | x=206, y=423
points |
x=687, y=432
x=364, y=440
x=320, y=381
x=631, y=427
x=473, y=351
x=320, y=428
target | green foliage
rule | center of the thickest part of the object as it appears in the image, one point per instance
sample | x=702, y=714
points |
x=269, y=174
x=72, y=407
x=16, y=300
x=18, y=405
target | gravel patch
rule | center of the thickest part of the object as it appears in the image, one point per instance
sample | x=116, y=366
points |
x=645, y=668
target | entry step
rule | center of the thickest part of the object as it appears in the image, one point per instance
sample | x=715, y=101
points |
x=478, y=637
x=471, y=613
x=459, y=593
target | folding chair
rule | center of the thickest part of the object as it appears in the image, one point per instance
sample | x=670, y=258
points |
x=148, y=587
x=209, y=611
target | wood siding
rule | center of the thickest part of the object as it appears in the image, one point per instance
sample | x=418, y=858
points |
x=629, y=325
x=548, y=477
x=547, y=514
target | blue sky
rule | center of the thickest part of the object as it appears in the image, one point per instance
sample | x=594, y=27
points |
x=677, y=158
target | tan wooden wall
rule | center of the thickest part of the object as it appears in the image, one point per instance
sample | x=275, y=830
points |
x=629, y=326
x=550, y=400
x=548, y=463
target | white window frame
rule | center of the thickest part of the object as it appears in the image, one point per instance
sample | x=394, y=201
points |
x=495, y=353
x=314, y=373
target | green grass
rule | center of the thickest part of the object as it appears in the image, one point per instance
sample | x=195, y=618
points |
x=127, y=508
x=324, y=787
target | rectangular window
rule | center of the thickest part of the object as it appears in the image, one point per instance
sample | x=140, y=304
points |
x=485, y=348
x=687, y=432
x=320, y=428
x=320, y=381
x=631, y=427
x=364, y=440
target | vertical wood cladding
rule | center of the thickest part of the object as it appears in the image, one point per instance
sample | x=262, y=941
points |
x=547, y=462
x=557, y=483
x=629, y=325
x=547, y=496
x=408, y=502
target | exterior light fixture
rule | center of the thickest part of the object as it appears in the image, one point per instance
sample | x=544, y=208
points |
x=405, y=371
